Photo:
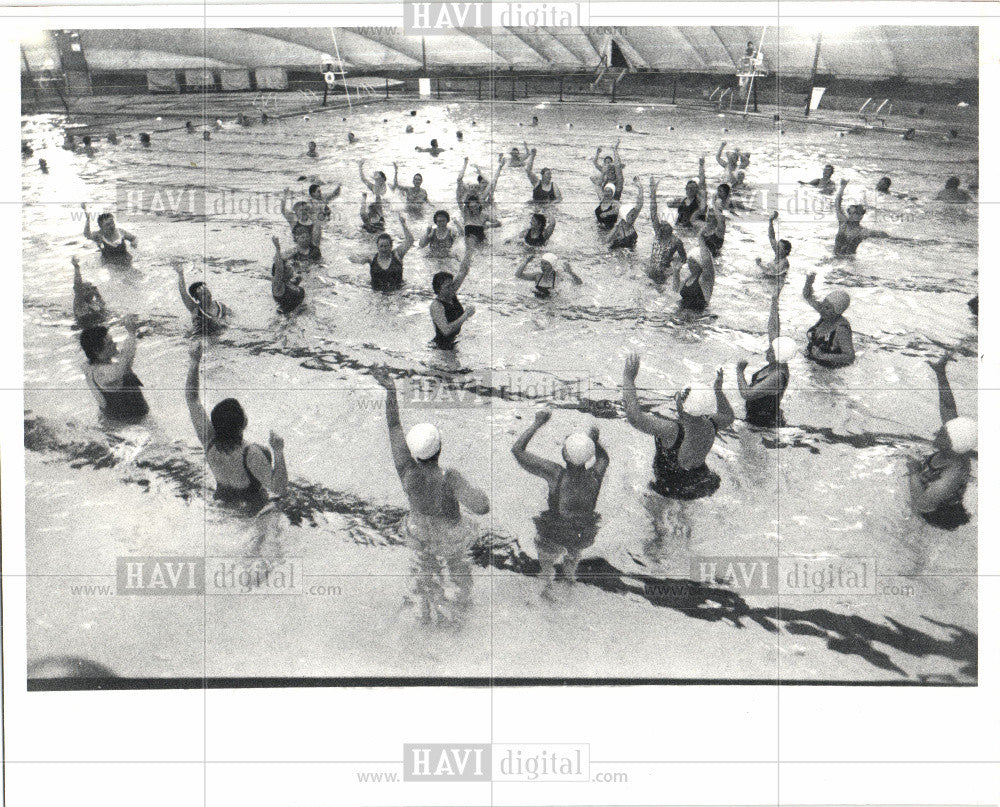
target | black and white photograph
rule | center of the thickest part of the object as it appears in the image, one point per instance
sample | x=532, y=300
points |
x=471, y=351
x=541, y=353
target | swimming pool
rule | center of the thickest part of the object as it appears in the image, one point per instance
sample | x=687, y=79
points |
x=828, y=487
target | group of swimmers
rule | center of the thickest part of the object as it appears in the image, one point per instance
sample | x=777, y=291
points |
x=250, y=476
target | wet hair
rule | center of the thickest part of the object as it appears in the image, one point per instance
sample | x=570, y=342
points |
x=228, y=422
x=725, y=187
x=952, y=183
x=418, y=174
x=786, y=245
x=439, y=279
x=383, y=237
x=86, y=140
x=103, y=217
x=313, y=188
x=92, y=341
x=380, y=174
x=438, y=214
x=608, y=158
x=690, y=182
x=538, y=217
x=546, y=169
x=473, y=198
x=375, y=209
x=884, y=182
x=828, y=166
x=193, y=288
x=145, y=139
x=434, y=143
x=628, y=127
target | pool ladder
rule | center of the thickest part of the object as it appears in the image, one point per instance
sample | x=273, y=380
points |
x=880, y=113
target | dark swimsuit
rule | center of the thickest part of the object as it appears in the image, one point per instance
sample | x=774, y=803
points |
x=115, y=252
x=948, y=515
x=627, y=241
x=452, y=310
x=714, y=244
x=535, y=240
x=293, y=295
x=544, y=291
x=539, y=194
x=127, y=403
x=386, y=279
x=692, y=296
x=607, y=217
x=685, y=210
x=253, y=497
x=206, y=323
x=766, y=410
x=670, y=479
x=557, y=532
x=824, y=344
x=477, y=231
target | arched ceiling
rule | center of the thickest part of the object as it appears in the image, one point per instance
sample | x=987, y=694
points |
x=932, y=53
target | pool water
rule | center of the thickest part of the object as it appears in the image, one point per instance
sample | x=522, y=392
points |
x=829, y=486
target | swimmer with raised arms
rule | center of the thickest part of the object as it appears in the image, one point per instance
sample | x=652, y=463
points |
x=569, y=524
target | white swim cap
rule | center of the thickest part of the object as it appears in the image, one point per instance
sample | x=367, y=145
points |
x=784, y=348
x=423, y=440
x=963, y=434
x=700, y=401
x=579, y=449
x=550, y=258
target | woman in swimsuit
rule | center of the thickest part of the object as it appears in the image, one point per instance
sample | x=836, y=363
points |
x=610, y=172
x=416, y=195
x=246, y=474
x=539, y=230
x=440, y=237
x=714, y=231
x=483, y=189
x=850, y=233
x=782, y=249
x=385, y=267
x=938, y=482
x=112, y=241
x=88, y=304
x=831, y=341
x=682, y=445
x=372, y=216
x=665, y=246
x=207, y=315
x=608, y=207
x=543, y=189
x=569, y=524
x=624, y=235
x=379, y=185
x=433, y=150
x=447, y=313
x=545, y=280
x=109, y=373
x=476, y=221
x=696, y=290
x=767, y=386
x=688, y=207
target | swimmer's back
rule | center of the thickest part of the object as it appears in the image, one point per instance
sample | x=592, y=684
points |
x=431, y=492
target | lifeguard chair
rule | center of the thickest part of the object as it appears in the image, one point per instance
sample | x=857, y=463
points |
x=748, y=70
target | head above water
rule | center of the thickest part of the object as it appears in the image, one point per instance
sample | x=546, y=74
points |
x=962, y=434
x=546, y=175
x=835, y=304
x=441, y=217
x=97, y=345
x=578, y=449
x=609, y=192
x=441, y=280
x=882, y=186
x=692, y=188
x=785, y=247
x=200, y=292
x=228, y=422
x=424, y=442
x=434, y=144
x=384, y=243
x=538, y=221
x=952, y=184
x=700, y=402
x=548, y=259
x=856, y=212
x=783, y=349
x=827, y=171
x=106, y=222
x=314, y=190
x=723, y=191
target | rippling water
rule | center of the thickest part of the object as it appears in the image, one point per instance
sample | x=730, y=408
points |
x=829, y=485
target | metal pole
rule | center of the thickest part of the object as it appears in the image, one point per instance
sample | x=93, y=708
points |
x=513, y=83
x=755, y=97
x=674, y=99
x=387, y=89
x=561, y=87
x=812, y=77
x=479, y=89
x=439, y=89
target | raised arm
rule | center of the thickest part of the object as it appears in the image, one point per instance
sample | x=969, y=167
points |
x=529, y=166
x=597, y=161
x=807, y=291
x=718, y=155
x=87, y=233
x=520, y=274
x=189, y=302
x=192, y=392
x=633, y=214
x=946, y=400
x=496, y=177
x=401, y=456
x=77, y=278
x=471, y=497
x=395, y=177
x=463, y=271
x=275, y=478
x=532, y=463
x=770, y=233
x=573, y=275
x=643, y=421
x=702, y=186
x=361, y=173
x=773, y=320
x=602, y=460
x=288, y=214
x=724, y=415
x=403, y=248
x=278, y=270
x=550, y=225
x=839, y=202
x=653, y=212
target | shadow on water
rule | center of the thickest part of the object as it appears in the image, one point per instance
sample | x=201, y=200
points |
x=371, y=524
